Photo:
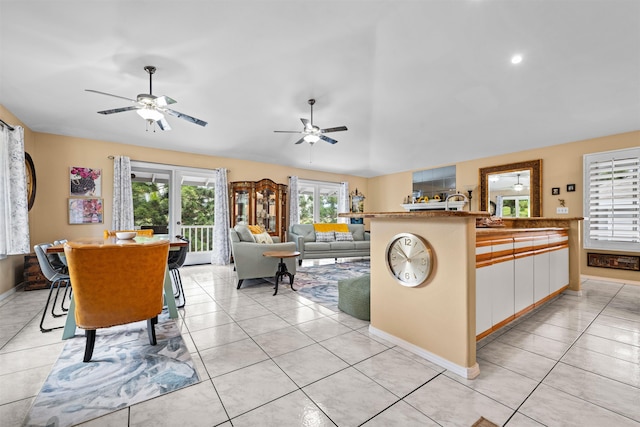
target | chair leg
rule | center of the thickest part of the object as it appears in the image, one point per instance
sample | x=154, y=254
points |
x=239, y=283
x=55, y=299
x=181, y=295
x=44, y=312
x=91, y=341
x=151, y=330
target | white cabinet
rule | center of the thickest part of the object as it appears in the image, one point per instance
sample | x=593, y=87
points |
x=517, y=272
x=502, y=291
x=558, y=269
x=483, y=299
x=540, y=267
x=523, y=278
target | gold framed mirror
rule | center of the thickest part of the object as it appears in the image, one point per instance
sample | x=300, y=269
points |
x=520, y=189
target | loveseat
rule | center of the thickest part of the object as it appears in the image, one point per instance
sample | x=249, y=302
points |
x=247, y=255
x=312, y=243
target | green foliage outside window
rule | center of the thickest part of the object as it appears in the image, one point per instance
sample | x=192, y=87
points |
x=151, y=207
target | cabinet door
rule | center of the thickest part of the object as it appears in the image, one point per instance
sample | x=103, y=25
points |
x=558, y=269
x=241, y=203
x=541, y=276
x=502, y=290
x=523, y=296
x=483, y=299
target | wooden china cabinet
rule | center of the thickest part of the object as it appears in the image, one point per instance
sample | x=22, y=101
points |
x=259, y=203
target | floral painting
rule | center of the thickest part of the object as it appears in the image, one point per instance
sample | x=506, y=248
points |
x=85, y=181
x=85, y=211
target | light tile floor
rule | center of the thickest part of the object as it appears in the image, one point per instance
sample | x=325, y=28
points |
x=285, y=361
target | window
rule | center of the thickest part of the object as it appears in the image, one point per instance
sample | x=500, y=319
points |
x=513, y=206
x=612, y=200
x=318, y=201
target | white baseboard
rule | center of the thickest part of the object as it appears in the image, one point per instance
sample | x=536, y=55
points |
x=468, y=373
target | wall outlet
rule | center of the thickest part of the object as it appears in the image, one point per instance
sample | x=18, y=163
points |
x=562, y=210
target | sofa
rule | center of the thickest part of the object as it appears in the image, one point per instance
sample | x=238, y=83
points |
x=314, y=244
x=247, y=254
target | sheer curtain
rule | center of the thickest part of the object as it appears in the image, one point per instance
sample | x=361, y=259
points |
x=14, y=212
x=122, y=212
x=294, y=214
x=221, y=244
x=343, y=201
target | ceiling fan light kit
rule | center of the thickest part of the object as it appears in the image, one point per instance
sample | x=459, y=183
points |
x=151, y=108
x=313, y=133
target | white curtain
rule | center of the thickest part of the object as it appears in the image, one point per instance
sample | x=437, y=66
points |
x=221, y=243
x=343, y=201
x=294, y=212
x=122, y=212
x=14, y=212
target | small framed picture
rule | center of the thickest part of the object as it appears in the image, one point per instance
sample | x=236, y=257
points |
x=555, y=191
x=571, y=187
x=85, y=211
x=85, y=182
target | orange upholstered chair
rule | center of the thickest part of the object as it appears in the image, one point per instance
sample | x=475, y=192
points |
x=146, y=232
x=116, y=284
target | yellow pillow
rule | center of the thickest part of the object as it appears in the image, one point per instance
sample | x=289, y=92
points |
x=331, y=227
x=255, y=229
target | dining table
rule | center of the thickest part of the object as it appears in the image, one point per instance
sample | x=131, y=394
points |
x=174, y=244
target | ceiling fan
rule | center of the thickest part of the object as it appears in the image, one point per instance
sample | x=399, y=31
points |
x=151, y=107
x=313, y=133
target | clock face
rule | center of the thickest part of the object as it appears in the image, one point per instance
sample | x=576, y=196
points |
x=409, y=259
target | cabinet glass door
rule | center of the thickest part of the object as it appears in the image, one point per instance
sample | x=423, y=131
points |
x=241, y=208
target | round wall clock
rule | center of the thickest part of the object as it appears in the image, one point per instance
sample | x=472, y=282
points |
x=30, y=171
x=409, y=259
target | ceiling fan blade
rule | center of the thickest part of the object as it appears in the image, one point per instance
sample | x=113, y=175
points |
x=307, y=124
x=329, y=140
x=163, y=124
x=336, y=129
x=288, y=131
x=163, y=101
x=119, y=110
x=300, y=141
x=109, y=94
x=185, y=117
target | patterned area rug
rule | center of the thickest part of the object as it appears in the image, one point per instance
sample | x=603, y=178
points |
x=124, y=370
x=319, y=283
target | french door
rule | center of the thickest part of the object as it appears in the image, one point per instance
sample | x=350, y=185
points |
x=176, y=201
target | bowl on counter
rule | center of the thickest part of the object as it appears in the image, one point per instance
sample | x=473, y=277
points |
x=125, y=235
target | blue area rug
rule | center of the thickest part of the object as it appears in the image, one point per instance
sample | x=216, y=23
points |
x=124, y=370
x=319, y=283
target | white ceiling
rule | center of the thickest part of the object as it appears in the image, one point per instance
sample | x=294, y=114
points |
x=418, y=83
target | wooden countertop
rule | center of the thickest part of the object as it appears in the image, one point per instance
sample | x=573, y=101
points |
x=414, y=214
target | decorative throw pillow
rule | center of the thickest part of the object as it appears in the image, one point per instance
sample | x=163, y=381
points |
x=322, y=227
x=327, y=236
x=344, y=237
x=244, y=233
x=256, y=229
x=264, y=238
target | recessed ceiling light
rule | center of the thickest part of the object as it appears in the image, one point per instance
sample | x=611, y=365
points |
x=516, y=59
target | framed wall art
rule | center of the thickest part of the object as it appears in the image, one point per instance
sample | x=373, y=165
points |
x=85, y=182
x=86, y=211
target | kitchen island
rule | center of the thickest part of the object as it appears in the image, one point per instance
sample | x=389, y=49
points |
x=437, y=318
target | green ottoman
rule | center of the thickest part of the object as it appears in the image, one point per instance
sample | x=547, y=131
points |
x=354, y=296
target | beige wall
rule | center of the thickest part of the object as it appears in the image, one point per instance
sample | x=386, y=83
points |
x=54, y=154
x=561, y=165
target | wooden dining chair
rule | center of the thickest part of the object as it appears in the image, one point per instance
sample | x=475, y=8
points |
x=148, y=232
x=116, y=284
